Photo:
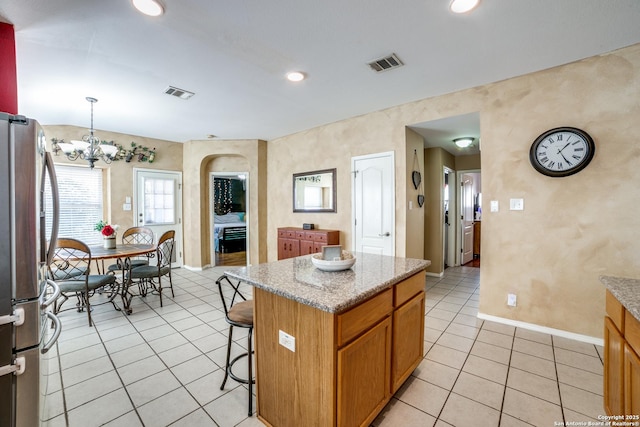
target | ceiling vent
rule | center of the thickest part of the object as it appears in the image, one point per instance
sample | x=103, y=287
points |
x=387, y=63
x=179, y=93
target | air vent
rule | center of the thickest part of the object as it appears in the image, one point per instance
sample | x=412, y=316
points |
x=180, y=93
x=387, y=63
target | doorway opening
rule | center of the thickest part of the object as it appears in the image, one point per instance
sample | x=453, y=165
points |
x=446, y=159
x=228, y=207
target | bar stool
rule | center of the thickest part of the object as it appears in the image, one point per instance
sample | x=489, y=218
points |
x=238, y=311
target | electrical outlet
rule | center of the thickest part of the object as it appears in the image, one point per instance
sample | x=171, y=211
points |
x=511, y=300
x=287, y=341
x=495, y=206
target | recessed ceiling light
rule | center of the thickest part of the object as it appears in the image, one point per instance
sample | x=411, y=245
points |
x=295, y=76
x=463, y=142
x=149, y=7
x=463, y=6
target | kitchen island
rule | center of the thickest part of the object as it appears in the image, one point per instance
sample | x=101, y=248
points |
x=333, y=347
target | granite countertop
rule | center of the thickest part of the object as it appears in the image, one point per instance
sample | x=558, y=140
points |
x=626, y=290
x=332, y=291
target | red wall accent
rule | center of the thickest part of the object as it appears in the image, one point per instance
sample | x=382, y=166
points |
x=8, y=77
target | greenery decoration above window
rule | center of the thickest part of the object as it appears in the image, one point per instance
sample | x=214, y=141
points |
x=111, y=150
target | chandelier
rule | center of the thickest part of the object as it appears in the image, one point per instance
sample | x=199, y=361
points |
x=90, y=148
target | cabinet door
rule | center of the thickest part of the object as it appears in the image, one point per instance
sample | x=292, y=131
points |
x=306, y=247
x=408, y=340
x=631, y=382
x=288, y=248
x=363, y=376
x=613, y=369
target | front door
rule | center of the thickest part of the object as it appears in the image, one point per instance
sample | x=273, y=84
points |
x=158, y=205
x=374, y=208
x=467, y=218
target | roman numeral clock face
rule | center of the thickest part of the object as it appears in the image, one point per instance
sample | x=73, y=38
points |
x=562, y=151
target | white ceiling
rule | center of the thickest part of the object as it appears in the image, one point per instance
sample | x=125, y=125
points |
x=234, y=55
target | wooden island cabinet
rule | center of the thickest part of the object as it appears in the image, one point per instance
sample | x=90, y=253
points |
x=351, y=338
x=621, y=350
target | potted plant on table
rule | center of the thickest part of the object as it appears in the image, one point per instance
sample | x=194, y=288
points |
x=108, y=233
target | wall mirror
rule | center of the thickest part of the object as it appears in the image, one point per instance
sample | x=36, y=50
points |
x=314, y=191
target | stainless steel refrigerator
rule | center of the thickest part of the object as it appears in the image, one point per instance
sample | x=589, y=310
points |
x=28, y=328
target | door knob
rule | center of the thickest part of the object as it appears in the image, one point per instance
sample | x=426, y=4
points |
x=387, y=234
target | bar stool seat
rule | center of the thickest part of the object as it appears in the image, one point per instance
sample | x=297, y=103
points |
x=239, y=313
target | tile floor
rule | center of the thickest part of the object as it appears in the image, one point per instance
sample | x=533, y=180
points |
x=162, y=366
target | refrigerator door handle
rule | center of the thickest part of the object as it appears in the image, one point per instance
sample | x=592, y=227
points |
x=52, y=298
x=56, y=332
x=50, y=170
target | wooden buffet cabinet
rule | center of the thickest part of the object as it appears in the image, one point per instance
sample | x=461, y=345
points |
x=621, y=361
x=293, y=242
x=342, y=366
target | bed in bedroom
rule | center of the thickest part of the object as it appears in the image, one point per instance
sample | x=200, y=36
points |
x=230, y=232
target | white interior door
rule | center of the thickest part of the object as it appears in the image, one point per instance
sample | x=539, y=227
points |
x=158, y=205
x=374, y=208
x=467, y=218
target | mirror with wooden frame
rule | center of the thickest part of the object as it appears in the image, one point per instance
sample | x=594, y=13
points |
x=315, y=191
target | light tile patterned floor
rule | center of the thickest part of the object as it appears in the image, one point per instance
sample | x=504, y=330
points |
x=162, y=366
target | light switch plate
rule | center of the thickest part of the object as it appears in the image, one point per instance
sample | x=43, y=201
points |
x=287, y=341
x=495, y=206
x=516, y=204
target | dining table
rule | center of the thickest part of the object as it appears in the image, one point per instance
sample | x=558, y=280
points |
x=122, y=253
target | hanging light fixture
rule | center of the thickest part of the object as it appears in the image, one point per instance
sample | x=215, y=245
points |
x=90, y=148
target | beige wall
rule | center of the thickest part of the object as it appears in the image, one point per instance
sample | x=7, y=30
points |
x=465, y=163
x=572, y=229
x=118, y=176
x=435, y=160
x=415, y=214
x=332, y=146
x=200, y=159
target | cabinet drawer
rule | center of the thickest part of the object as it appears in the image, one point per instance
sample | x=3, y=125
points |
x=360, y=318
x=300, y=235
x=309, y=235
x=320, y=237
x=632, y=331
x=615, y=311
x=286, y=233
x=407, y=289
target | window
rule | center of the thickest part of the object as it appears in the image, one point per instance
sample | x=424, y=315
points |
x=80, y=203
x=159, y=196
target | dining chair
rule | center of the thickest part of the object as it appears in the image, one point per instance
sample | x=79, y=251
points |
x=238, y=312
x=134, y=235
x=148, y=277
x=70, y=269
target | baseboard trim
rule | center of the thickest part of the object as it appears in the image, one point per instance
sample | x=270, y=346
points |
x=434, y=274
x=546, y=330
x=192, y=268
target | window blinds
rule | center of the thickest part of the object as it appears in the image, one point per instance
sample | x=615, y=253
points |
x=80, y=203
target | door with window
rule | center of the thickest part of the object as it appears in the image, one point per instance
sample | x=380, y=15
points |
x=158, y=205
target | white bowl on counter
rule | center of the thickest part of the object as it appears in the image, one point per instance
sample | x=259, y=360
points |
x=345, y=263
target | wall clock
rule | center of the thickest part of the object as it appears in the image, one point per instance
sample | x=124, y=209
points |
x=562, y=151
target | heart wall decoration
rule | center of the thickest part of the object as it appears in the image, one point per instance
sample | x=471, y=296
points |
x=416, y=177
